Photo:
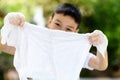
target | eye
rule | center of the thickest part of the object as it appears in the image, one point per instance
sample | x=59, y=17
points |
x=57, y=24
x=68, y=29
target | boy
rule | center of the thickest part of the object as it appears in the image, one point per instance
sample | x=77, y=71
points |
x=67, y=17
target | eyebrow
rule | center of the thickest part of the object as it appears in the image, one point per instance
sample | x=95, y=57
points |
x=58, y=20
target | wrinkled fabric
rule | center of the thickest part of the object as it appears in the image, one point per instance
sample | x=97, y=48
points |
x=45, y=54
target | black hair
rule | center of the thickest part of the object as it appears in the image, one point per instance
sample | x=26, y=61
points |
x=70, y=10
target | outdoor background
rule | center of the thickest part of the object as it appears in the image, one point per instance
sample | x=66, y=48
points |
x=97, y=14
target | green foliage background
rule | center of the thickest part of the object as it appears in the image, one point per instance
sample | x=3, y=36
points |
x=97, y=14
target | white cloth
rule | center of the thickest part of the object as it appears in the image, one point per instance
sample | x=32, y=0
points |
x=45, y=54
x=103, y=46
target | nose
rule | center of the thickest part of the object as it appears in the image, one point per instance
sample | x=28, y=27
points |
x=60, y=28
x=63, y=28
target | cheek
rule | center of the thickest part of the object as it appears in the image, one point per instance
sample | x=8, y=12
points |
x=49, y=25
x=52, y=26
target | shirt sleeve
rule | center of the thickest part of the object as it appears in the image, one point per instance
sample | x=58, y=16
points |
x=87, y=61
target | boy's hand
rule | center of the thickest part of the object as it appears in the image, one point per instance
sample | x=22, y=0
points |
x=99, y=40
x=96, y=38
x=16, y=19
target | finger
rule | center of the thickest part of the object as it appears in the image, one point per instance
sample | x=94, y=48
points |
x=11, y=20
x=22, y=22
x=18, y=19
x=98, y=38
x=96, y=32
x=18, y=22
x=95, y=42
x=94, y=37
x=21, y=18
x=14, y=22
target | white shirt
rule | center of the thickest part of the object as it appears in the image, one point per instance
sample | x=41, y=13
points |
x=45, y=54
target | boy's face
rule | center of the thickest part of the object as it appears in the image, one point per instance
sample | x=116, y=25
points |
x=63, y=22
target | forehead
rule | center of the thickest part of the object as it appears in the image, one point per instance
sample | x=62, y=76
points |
x=65, y=19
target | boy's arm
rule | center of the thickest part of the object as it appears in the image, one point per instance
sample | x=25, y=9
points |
x=100, y=61
x=7, y=49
